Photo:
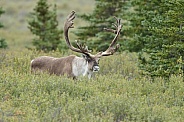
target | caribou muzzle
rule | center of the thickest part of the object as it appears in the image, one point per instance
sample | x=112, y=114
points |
x=96, y=68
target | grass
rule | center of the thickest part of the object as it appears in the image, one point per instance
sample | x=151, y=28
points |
x=116, y=93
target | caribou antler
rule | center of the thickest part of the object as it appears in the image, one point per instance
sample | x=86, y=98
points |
x=111, y=50
x=69, y=24
x=82, y=48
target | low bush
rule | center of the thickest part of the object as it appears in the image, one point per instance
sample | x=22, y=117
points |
x=116, y=93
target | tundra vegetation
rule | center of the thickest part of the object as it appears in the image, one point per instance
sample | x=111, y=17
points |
x=118, y=92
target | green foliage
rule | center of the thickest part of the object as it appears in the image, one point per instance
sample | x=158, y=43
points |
x=114, y=94
x=137, y=33
x=102, y=17
x=161, y=37
x=43, y=24
x=3, y=43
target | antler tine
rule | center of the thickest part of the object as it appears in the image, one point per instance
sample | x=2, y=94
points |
x=117, y=23
x=110, y=30
x=82, y=47
x=78, y=45
x=118, y=20
x=71, y=16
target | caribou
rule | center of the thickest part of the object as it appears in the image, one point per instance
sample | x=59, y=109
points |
x=74, y=66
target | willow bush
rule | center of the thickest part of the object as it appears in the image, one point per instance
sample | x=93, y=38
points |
x=116, y=93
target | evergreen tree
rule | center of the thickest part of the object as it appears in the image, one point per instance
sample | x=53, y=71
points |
x=3, y=43
x=43, y=24
x=160, y=34
x=136, y=31
x=102, y=17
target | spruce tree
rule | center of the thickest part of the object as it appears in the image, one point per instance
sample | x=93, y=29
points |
x=160, y=31
x=136, y=31
x=102, y=17
x=44, y=25
x=3, y=43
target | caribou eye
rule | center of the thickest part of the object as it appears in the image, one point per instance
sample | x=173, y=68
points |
x=89, y=59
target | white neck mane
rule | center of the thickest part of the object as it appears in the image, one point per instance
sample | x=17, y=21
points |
x=80, y=67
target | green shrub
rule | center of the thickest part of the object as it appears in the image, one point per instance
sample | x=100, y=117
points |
x=110, y=96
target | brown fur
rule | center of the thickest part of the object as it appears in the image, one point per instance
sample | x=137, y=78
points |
x=58, y=66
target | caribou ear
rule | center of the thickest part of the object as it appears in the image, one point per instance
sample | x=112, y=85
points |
x=86, y=57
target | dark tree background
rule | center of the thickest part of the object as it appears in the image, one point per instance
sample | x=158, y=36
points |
x=159, y=33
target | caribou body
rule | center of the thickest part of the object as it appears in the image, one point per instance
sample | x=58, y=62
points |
x=72, y=65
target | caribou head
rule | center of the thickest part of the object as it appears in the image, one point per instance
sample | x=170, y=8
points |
x=72, y=65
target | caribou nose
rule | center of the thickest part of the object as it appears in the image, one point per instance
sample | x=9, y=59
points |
x=96, y=68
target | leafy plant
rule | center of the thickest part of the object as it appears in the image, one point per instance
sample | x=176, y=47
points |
x=112, y=95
